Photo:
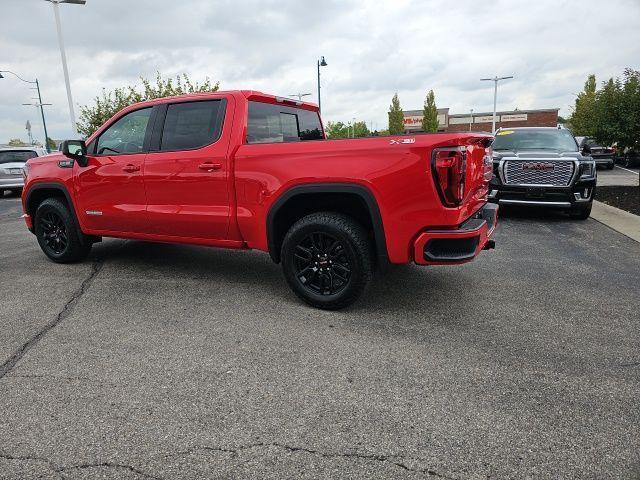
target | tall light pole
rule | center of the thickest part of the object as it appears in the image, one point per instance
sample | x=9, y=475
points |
x=321, y=63
x=63, y=55
x=39, y=104
x=495, y=81
x=299, y=95
x=471, y=119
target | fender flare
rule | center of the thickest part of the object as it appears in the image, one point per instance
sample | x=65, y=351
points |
x=352, y=188
x=60, y=188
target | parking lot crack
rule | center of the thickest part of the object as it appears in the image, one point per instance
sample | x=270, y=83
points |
x=64, y=468
x=117, y=466
x=66, y=310
x=392, y=459
x=395, y=460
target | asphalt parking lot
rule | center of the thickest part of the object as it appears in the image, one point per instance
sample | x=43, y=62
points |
x=618, y=176
x=161, y=361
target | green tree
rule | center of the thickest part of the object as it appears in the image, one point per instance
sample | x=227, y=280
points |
x=109, y=103
x=396, y=117
x=336, y=130
x=617, y=111
x=582, y=119
x=343, y=130
x=16, y=142
x=52, y=144
x=360, y=130
x=430, y=114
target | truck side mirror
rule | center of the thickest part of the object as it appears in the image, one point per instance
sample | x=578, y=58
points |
x=77, y=150
x=586, y=149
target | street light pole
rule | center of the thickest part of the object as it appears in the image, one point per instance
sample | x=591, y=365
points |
x=321, y=63
x=63, y=56
x=40, y=104
x=495, y=81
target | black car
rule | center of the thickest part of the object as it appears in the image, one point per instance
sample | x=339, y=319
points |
x=603, y=156
x=542, y=167
x=630, y=158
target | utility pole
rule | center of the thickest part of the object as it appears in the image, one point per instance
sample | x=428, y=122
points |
x=495, y=81
x=39, y=104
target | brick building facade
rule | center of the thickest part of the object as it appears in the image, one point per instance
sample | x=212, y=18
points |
x=481, y=122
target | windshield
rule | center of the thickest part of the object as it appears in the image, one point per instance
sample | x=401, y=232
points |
x=10, y=156
x=548, y=139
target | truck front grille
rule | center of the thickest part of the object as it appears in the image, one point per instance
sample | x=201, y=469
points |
x=538, y=172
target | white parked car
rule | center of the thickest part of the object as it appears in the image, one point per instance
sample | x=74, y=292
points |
x=12, y=162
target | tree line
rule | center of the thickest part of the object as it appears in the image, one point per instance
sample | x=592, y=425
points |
x=610, y=114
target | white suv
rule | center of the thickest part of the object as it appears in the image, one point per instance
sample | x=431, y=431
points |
x=12, y=162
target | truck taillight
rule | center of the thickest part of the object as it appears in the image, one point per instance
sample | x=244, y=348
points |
x=449, y=166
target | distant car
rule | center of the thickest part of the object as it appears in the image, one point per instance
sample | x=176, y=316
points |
x=603, y=156
x=629, y=158
x=12, y=162
x=542, y=167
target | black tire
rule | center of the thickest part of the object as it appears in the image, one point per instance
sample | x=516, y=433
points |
x=582, y=212
x=610, y=165
x=57, y=233
x=327, y=259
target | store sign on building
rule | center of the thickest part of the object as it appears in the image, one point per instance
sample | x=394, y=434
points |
x=412, y=121
x=516, y=117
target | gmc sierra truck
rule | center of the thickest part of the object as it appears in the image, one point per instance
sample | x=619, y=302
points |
x=247, y=170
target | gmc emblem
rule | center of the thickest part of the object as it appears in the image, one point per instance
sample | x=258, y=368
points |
x=539, y=166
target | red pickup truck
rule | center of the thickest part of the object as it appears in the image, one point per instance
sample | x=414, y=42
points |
x=247, y=170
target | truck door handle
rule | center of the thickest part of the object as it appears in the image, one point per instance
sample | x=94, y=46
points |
x=209, y=166
x=130, y=168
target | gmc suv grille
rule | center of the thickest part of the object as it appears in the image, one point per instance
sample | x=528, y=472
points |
x=538, y=172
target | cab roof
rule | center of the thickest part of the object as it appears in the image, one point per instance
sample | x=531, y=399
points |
x=248, y=94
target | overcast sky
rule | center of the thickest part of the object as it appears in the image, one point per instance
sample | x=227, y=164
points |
x=373, y=48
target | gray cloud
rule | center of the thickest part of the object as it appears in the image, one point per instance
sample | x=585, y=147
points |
x=373, y=49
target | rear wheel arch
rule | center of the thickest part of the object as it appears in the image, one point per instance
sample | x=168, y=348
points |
x=354, y=200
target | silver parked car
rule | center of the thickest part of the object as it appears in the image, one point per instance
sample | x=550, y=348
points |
x=12, y=162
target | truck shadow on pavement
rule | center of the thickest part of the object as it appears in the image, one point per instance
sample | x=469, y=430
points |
x=406, y=288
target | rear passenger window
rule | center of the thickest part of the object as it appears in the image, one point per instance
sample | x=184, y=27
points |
x=270, y=123
x=192, y=125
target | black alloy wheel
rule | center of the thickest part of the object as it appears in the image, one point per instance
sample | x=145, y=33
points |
x=327, y=259
x=58, y=235
x=321, y=263
x=54, y=233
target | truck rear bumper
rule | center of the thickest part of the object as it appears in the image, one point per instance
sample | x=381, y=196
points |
x=461, y=245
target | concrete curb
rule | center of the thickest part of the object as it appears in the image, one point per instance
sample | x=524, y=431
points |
x=624, y=222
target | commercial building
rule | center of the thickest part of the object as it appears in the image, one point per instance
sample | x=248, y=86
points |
x=481, y=122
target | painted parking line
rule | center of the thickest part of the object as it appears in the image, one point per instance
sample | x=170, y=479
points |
x=627, y=170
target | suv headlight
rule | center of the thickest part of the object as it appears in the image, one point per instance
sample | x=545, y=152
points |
x=588, y=169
